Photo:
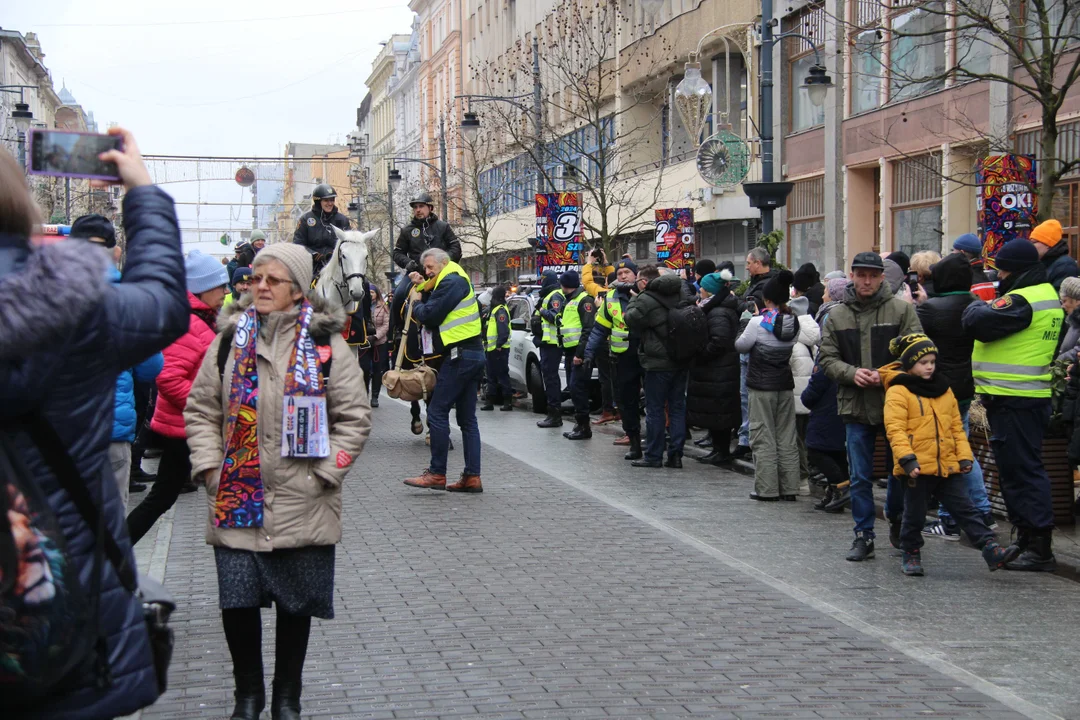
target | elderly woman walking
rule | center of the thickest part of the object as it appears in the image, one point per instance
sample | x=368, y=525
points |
x=274, y=424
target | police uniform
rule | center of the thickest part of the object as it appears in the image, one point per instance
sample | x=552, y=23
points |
x=551, y=354
x=1016, y=340
x=611, y=327
x=498, y=356
x=577, y=320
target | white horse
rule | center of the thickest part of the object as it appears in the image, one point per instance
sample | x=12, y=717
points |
x=341, y=282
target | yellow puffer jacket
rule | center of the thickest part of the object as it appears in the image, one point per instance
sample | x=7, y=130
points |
x=928, y=429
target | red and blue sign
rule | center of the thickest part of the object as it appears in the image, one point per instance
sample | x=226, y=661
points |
x=675, y=237
x=558, y=232
x=1006, y=201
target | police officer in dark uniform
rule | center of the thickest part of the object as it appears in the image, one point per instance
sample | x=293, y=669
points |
x=545, y=327
x=577, y=322
x=315, y=231
x=1016, y=340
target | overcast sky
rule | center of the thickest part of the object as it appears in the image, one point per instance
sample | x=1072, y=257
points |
x=214, y=77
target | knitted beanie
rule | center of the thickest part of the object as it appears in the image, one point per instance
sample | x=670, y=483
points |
x=570, y=279
x=1048, y=233
x=294, y=257
x=704, y=266
x=806, y=277
x=1070, y=288
x=1016, y=256
x=204, y=272
x=909, y=349
x=712, y=282
x=778, y=289
x=836, y=287
x=626, y=263
x=969, y=243
x=241, y=274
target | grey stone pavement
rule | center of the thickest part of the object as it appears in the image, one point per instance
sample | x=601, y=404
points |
x=576, y=586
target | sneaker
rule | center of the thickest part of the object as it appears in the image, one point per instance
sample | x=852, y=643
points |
x=991, y=521
x=939, y=529
x=996, y=556
x=912, y=563
x=895, y=524
x=862, y=548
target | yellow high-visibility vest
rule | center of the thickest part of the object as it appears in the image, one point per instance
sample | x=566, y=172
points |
x=1019, y=365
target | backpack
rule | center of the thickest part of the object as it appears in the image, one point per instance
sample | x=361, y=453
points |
x=688, y=332
x=44, y=612
x=225, y=347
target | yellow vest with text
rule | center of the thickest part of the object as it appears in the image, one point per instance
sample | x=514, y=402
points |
x=463, y=322
x=1019, y=365
x=491, y=341
x=551, y=332
x=610, y=315
x=571, y=321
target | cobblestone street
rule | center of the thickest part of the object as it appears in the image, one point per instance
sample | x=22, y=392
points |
x=572, y=588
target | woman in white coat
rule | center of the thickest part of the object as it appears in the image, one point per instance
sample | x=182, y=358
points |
x=802, y=367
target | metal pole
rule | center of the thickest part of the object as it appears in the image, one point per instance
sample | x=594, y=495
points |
x=22, y=150
x=766, y=106
x=538, y=116
x=442, y=163
x=67, y=200
x=390, y=235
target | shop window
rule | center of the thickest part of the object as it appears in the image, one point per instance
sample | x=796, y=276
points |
x=917, y=52
x=806, y=222
x=866, y=71
x=1063, y=18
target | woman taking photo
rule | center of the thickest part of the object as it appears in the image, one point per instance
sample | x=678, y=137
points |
x=769, y=338
x=273, y=469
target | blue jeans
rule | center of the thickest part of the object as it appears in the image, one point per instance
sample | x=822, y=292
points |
x=744, y=401
x=973, y=480
x=860, y=443
x=459, y=380
x=665, y=388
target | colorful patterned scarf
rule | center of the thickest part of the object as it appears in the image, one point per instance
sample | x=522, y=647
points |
x=239, y=502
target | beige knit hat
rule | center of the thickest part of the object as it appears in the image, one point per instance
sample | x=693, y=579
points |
x=1070, y=288
x=295, y=257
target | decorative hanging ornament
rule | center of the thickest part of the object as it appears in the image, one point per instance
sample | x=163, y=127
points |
x=245, y=176
x=693, y=99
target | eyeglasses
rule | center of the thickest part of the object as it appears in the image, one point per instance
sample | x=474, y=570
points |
x=270, y=280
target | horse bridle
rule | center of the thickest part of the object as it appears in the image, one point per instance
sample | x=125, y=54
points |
x=342, y=287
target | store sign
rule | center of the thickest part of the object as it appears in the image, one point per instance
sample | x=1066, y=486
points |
x=558, y=232
x=675, y=237
x=513, y=262
x=1006, y=200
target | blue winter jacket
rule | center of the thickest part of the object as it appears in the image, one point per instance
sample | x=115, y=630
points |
x=125, y=417
x=65, y=335
x=824, y=430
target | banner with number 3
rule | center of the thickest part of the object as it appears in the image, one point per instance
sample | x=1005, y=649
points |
x=558, y=231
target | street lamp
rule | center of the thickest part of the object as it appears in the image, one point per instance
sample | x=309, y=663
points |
x=817, y=85
x=393, y=178
x=470, y=126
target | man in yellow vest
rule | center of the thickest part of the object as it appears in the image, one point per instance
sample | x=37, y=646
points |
x=546, y=335
x=497, y=347
x=1016, y=339
x=610, y=327
x=577, y=321
x=447, y=306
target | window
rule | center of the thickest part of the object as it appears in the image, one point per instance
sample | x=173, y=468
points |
x=917, y=204
x=1062, y=29
x=866, y=71
x=972, y=50
x=806, y=222
x=811, y=23
x=917, y=52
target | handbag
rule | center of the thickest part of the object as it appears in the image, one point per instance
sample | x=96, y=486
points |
x=157, y=603
x=410, y=385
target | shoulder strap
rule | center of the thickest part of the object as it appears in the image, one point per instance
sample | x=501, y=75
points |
x=59, y=461
x=404, y=338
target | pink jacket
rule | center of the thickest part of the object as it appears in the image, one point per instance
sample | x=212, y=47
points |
x=182, y=361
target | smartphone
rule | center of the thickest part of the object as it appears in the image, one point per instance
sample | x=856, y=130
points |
x=61, y=153
x=913, y=282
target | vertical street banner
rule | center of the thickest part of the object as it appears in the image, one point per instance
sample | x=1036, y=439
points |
x=558, y=232
x=675, y=237
x=1005, y=201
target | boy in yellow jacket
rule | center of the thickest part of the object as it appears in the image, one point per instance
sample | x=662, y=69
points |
x=925, y=430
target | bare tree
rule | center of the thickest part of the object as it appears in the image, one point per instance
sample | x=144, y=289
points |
x=1028, y=46
x=609, y=147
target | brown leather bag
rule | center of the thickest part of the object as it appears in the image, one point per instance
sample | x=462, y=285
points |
x=409, y=385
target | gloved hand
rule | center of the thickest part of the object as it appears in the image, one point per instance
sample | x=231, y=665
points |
x=965, y=466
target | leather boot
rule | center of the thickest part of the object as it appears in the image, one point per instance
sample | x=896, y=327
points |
x=467, y=483
x=285, y=703
x=825, y=499
x=553, y=419
x=581, y=430
x=250, y=695
x=674, y=460
x=635, y=447
x=487, y=406
x=1038, y=555
x=427, y=480
x=507, y=406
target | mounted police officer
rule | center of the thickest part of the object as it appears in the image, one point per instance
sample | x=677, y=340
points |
x=425, y=231
x=315, y=231
x=1016, y=339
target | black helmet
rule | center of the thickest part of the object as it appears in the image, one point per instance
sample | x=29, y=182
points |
x=423, y=198
x=323, y=192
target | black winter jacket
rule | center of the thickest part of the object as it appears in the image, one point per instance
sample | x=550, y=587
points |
x=712, y=398
x=770, y=352
x=315, y=230
x=420, y=235
x=646, y=315
x=816, y=295
x=756, y=290
x=940, y=317
x=60, y=353
x=1059, y=265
